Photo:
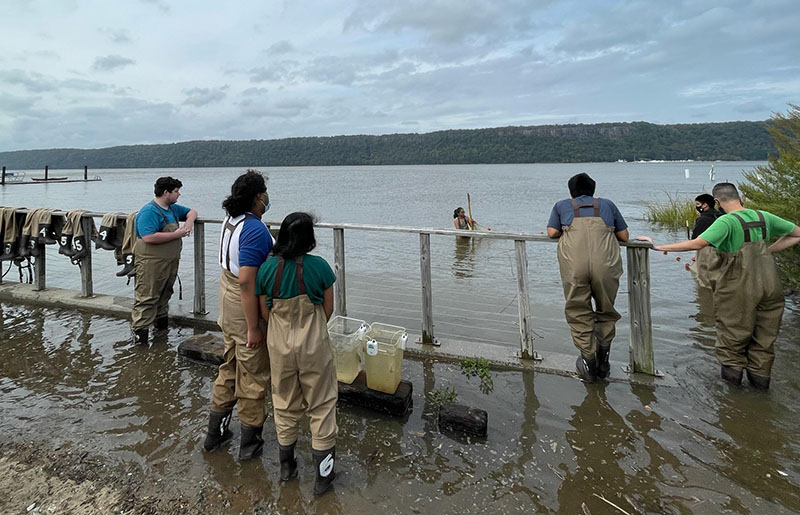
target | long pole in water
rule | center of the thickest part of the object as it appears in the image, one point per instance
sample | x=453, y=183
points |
x=469, y=209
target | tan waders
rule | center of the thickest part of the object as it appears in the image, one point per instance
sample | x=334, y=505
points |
x=748, y=301
x=156, y=270
x=699, y=268
x=590, y=266
x=303, y=378
x=242, y=378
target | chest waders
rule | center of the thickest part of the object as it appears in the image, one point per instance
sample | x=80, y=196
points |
x=590, y=267
x=303, y=373
x=748, y=304
x=242, y=377
x=156, y=270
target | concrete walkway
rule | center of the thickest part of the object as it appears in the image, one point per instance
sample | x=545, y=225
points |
x=500, y=357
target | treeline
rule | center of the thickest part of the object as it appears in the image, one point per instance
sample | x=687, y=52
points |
x=728, y=141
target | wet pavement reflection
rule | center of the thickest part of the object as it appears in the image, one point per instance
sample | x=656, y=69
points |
x=554, y=444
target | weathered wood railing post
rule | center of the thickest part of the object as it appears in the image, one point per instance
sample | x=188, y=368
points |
x=427, y=295
x=339, y=289
x=199, y=269
x=524, y=303
x=642, y=359
x=87, y=286
x=39, y=268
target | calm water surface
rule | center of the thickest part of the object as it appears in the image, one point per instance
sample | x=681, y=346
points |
x=553, y=442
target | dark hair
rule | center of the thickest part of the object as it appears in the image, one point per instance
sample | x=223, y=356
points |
x=166, y=184
x=705, y=198
x=725, y=191
x=243, y=190
x=296, y=236
x=455, y=213
x=581, y=184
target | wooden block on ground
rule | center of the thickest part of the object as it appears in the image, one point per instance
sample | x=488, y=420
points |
x=463, y=419
x=202, y=347
x=358, y=394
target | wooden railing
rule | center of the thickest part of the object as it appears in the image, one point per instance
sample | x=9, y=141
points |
x=638, y=270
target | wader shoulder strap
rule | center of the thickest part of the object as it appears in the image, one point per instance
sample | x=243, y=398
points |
x=301, y=286
x=576, y=208
x=232, y=228
x=746, y=226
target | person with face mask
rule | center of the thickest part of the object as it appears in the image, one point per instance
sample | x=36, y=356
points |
x=245, y=243
x=707, y=214
x=158, y=251
x=588, y=231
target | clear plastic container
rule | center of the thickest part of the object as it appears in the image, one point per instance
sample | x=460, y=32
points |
x=347, y=339
x=384, y=359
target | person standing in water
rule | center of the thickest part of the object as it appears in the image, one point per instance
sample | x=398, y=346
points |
x=704, y=204
x=461, y=220
x=296, y=299
x=158, y=252
x=245, y=243
x=589, y=230
x=747, y=291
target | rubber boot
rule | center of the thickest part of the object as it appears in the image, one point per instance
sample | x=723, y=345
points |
x=33, y=248
x=288, y=462
x=603, y=366
x=65, y=245
x=81, y=246
x=9, y=251
x=587, y=368
x=161, y=323
x=46, y=236
x=105, y=235
x=324, y=462
x=140, y=336
x=758, y=382
x=218, y=432
x=24, y=247
x=731, y=376
x=252, y=443
x=128, y=268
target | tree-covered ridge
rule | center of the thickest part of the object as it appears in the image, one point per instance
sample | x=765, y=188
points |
x=728, y=141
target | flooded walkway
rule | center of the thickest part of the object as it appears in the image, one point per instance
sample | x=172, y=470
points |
x=89, y=423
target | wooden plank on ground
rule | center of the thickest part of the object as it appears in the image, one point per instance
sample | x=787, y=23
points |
x=463, y=419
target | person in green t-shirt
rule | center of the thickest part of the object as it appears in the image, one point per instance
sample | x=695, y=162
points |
x=748, y=296
x=296, y=299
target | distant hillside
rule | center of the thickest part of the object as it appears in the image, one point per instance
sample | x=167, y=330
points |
x=538, y=144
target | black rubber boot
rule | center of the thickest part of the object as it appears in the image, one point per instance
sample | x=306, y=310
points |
x=603, y=365
x=218, y=432
x=65, y=245
x=81, y=246
x=46, y=236
x=758, y=382
x=24, y=247
x=128, y=268
x=288, y=462
x=731, y=376
x=587, y=368
x=140, y=336
x=324, y=462
x=252, y=443
x=9, y=251
x=161, y=323
x=105, y=235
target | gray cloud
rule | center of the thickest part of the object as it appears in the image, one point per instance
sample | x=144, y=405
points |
x=31, y=81
x=200, y=97
x=281, y=48
x=120, y=36
x=111, y=62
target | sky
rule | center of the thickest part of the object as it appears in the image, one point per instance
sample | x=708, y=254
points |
x=93, y=74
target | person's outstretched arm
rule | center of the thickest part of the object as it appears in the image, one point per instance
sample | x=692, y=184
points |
x=793, y=238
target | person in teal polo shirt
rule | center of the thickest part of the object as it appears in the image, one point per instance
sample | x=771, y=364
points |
x=747, y=291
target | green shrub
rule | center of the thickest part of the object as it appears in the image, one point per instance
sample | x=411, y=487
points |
x=775, y=187
x=479, y=368
x=441, y=396
x=676, y=212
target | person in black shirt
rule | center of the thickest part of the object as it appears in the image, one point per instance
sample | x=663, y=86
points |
x=705, y=206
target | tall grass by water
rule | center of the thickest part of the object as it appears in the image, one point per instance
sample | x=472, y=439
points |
x=676, y=212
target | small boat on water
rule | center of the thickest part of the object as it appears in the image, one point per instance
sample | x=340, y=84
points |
x=49, y=179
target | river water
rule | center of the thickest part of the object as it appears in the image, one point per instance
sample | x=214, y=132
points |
x=554, y=444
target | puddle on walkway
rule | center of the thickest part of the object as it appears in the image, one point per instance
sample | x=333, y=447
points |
x=71, y=381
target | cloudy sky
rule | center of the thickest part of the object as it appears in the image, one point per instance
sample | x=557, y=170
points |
x=92, y=74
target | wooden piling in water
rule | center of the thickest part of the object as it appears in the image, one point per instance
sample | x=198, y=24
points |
x=3, y=180
x=641, y=347
x=85, y=172
x=46, y=171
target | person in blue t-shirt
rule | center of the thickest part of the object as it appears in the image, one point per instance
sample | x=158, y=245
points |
x=588, y=231
x=157, y=252
x=245, y=243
